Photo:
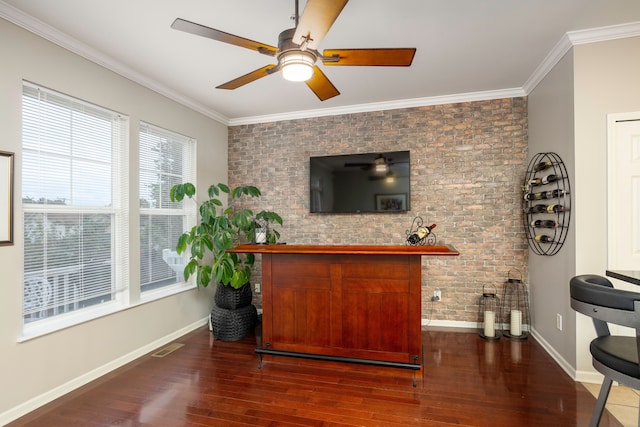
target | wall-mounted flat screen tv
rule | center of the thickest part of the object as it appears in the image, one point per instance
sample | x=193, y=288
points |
x=359, y=183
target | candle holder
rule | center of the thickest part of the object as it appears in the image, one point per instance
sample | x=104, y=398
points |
x=515, y=307
x=261, y=231
x=488, y=312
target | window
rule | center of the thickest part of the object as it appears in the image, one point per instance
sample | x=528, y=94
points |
x=165, y=160
x=75, y=200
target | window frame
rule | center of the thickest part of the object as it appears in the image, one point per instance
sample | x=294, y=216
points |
x=47, y=101
x=127, y=293
x=188, y=211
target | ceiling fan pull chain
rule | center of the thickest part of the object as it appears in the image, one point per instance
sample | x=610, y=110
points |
x=305, y=41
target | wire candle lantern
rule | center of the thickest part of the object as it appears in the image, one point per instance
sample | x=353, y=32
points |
x=488, y=312
x=515, y=307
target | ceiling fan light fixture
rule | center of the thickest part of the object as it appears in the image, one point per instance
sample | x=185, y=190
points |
x=380, y=165
x=297, y=66
x=381, y=168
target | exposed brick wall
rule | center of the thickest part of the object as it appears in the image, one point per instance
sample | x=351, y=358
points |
x=467, y=168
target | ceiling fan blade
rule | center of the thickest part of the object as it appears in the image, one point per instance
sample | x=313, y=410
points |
x=321, y=86
x=221, y=36
x=400, y=57
x=249, y=77
x=318, y=16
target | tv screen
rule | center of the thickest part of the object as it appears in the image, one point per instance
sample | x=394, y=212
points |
x=371, y=182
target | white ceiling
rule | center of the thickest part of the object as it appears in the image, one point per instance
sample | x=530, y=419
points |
x=466, y=49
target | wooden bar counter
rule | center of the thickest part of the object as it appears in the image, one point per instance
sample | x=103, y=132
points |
x=347, y=303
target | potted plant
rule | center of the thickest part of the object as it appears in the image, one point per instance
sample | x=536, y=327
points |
x=220, y=228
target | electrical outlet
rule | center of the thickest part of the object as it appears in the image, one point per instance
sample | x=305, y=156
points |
x=437, y=295
x=257, y=288
x=559, y=321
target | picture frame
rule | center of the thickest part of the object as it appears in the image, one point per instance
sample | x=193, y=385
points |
x=6, y=198
x=391, y=202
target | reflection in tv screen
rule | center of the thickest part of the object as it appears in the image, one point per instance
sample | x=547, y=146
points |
x=355, y=183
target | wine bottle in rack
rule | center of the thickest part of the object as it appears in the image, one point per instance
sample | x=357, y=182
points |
x=544, y=223
x=420, y=234
x=543, y=238
x=548, y=179
x=537, y=196
x=542, y=166
x=555, y=208
x=534, y=182
x=551, y=194
x=537, y=209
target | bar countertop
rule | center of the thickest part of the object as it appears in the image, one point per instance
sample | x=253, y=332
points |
x=346, y=249
x=630, y=276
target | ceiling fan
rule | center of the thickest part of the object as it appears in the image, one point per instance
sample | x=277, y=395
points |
x=296, y=52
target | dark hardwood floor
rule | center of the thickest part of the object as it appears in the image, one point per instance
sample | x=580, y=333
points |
x=466, y=381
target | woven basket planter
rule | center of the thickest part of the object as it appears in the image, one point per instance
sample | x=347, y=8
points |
x=233, y=325
x=232, y=298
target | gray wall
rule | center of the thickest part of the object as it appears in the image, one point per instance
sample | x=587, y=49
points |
x=606, y=81
x=568, y=114
x=551, y=129
x=42, y=368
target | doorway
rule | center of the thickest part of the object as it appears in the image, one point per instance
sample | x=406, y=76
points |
x=624, y=191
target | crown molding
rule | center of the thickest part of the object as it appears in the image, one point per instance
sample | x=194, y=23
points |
x=65, y=41
x=551, y=60
x=601, y=34
x=381, y=106
x=563, y=46
x=574, y=38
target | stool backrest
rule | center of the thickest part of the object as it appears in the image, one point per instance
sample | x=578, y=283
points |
x=595, y=297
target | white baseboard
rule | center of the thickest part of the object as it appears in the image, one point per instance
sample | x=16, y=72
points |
x=561, y=361
x=43, y=399
x=453, y=324
x=592, y=377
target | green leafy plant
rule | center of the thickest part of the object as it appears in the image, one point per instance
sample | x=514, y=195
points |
x=220, y=229
x=261, y=223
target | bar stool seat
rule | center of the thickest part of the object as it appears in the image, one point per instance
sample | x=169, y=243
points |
x=615, y=357
x=617, y=353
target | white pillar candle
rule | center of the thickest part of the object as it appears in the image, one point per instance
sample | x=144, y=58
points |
x=516, y=322
x=489, y=324
x=261, y=237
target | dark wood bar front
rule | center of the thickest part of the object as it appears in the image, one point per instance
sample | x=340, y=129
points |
x=351, y=303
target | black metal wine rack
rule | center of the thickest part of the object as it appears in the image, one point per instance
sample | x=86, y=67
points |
x=428, y=240
x=547, y=202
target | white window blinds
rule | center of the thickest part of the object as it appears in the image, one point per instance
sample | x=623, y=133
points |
x=75, y=199
x=166, y=158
